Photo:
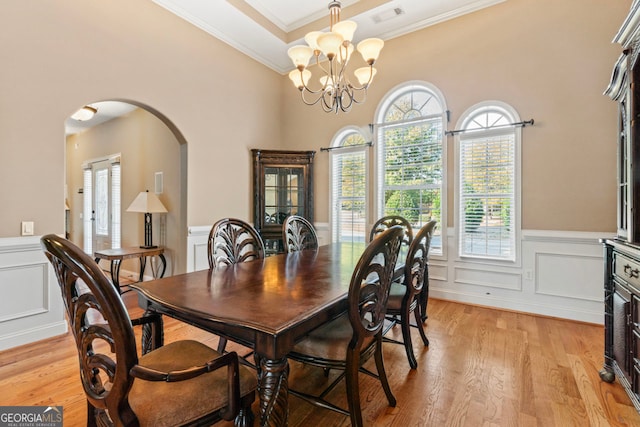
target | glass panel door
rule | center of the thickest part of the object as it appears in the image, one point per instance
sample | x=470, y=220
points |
x=283, y=193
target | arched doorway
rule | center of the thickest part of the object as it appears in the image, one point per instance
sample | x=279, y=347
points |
x=151, y=154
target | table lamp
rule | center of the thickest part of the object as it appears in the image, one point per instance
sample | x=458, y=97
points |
x=147, y=203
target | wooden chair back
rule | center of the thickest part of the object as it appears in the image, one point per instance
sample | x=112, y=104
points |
x=370, y=284
x=232, y=241
x=389, y=221
x=299, y=234
x=415, y=268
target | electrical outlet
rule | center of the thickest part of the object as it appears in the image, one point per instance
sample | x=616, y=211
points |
x=528, y=274
x=27, y=228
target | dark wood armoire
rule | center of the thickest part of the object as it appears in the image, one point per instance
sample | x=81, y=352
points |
x=622, y=254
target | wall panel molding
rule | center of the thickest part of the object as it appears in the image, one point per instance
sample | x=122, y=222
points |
x=31, y=308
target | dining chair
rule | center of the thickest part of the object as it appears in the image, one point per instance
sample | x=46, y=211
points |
x=389, y=221
x=404, y=297
x=182, y=383
x=349, y=340
x=232, y=241
x=298, y=234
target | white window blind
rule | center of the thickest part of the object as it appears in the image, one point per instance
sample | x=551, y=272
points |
x=487, y=188
x=115, y=204
x=349, y=189
x=87, y=213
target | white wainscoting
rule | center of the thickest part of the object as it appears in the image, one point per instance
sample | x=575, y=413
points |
x=31, y=307
x=197, y=258
x=560, y=273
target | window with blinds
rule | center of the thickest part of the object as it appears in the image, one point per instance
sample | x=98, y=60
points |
x=349, y=188
x=410, y=157
x=487, y=186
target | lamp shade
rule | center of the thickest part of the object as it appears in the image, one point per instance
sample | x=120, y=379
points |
x=365, y=75
x=146, y=202
x=370, y=49
x=312, y=39
x=345, y=28
x=300, y=79
x=300, y=55
x=329, y=44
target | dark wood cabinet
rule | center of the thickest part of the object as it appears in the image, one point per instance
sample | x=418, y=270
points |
x=282, y=186
x=622, y=254
x=624, y=88
x=622, y=317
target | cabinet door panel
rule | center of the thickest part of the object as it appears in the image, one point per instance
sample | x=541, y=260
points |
x=621, y=311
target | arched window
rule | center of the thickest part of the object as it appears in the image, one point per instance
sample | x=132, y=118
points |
x=411, y=157
x=349, y=186
x=488, y=185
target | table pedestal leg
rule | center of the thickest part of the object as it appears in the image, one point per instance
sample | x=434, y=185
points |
x=152, y=331
x=273, y=388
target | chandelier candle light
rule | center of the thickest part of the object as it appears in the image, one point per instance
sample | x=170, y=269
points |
x=336, y=93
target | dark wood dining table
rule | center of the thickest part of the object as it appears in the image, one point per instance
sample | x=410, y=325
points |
x=267, y=305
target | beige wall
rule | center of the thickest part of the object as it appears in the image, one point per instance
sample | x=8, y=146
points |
x=58, y=56
x=146, y=146
x=551, y=60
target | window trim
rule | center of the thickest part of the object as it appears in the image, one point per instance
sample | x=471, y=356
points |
x=462, y=122
x=383, y=106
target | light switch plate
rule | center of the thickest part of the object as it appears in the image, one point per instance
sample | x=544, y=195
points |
x=27, y=228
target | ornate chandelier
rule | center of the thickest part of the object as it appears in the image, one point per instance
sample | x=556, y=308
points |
x=335, y=92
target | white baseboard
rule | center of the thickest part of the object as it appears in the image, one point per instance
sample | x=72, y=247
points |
x=28, y=336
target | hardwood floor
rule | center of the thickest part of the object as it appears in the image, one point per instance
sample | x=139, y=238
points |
x=484, y=367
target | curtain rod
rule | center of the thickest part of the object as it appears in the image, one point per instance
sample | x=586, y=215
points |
x=520, y=124
x=367, y=144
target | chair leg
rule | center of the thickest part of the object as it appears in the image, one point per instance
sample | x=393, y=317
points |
x=222, y=344
x=382, y=374
x=420, y=326
x=353, y=387
x=91, y=415
x=406, y=338
x=424, y=296
x=245, y=418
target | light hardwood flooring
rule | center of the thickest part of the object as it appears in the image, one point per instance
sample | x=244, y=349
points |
x=484, y=367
